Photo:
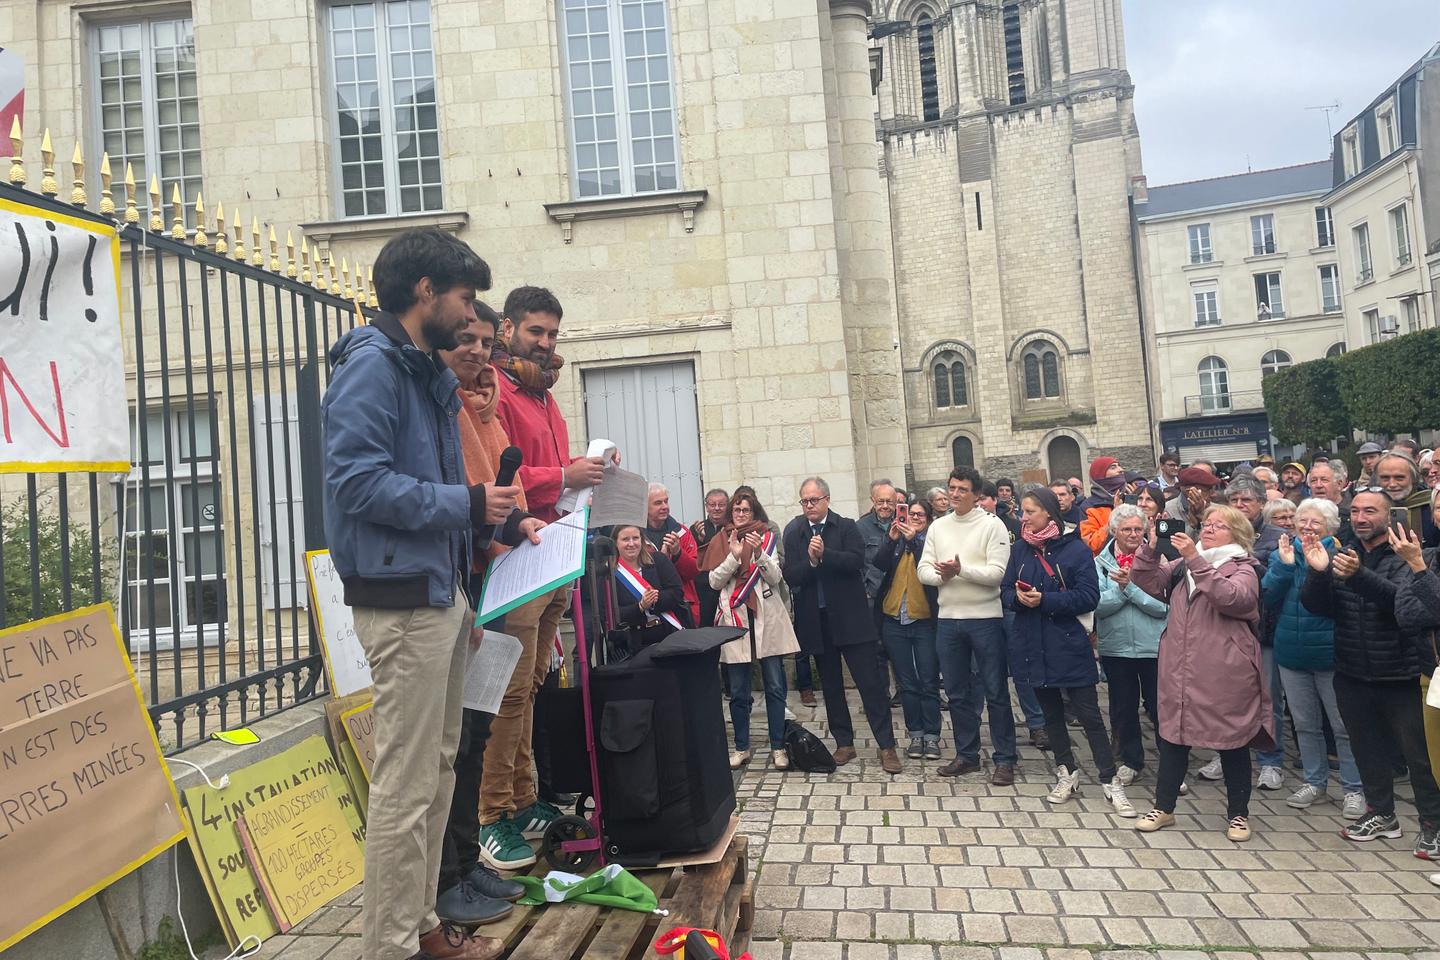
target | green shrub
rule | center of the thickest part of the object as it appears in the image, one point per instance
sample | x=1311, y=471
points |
x=1392, y=386
x=1303, y=404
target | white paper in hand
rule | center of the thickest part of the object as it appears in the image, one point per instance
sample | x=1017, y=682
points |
x=573, y=499
x=488, y=672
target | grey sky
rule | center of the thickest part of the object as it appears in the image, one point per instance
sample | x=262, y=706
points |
x=1217, y=80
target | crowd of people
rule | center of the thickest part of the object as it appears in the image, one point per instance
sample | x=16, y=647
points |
x=1224, y=609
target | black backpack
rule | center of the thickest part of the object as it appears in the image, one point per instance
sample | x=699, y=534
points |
x=807, y=752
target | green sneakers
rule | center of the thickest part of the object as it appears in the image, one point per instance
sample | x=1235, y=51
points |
x=503, y=847
x=535, y=819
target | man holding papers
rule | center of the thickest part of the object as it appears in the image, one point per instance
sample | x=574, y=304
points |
x=399, y=512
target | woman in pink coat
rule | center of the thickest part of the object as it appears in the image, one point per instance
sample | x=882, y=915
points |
x=1212, y=690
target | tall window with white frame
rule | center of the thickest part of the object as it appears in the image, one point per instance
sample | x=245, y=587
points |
x=1373, y=329
x=1385, y=128
x=1269, y=300
x=1200, y=249
x=1364, y=270
x=1324, y=227
x=173, y=530
x=1040, y=371
x=1410, y=311
x=385, y=121
x=1273, y=362
x=1350, y=154
x=1400, y=234
x=1207, y=305
x=146, y=108
x=1330, y=288
x=1262, y=234
x=1214, y=385
x=618, y=72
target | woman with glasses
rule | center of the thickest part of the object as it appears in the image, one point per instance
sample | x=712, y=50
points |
x=1211, y=683
x=1151, y=501
x=1279, y=513
x=907, y=610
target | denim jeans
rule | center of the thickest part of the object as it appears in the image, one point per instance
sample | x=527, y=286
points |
x=1309, y=692
x=1276, y=757
x=742, y=698
x=804, y=675
x=917, y=673
x=957, y=641
x=1029, y=703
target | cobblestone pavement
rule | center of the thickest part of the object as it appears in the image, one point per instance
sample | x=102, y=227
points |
x=860, y=865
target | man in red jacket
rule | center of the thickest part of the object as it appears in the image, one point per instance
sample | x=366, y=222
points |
x=527, y=366
x=666, y=535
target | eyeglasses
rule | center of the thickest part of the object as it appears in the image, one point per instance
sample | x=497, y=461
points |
x=812, y=501
x=883, y=503
x=1214, y=525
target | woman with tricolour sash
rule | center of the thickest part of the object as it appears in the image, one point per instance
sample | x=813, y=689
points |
x=648, y=589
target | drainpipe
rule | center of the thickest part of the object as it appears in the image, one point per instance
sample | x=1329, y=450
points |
x=1140, y=316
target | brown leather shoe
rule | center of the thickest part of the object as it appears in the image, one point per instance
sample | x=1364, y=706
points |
x=807, y=698
x=890, y=761
x=843, y=755
x=958, y=767
x=1004, y=776
x=455, y=943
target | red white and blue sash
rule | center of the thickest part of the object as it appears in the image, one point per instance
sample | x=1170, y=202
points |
x=752, y=575
x=636, y=585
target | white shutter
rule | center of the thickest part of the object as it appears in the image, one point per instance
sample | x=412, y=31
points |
x=1220, y=452
x=280, y=541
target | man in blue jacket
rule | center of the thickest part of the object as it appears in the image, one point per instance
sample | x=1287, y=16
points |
x=398, y=518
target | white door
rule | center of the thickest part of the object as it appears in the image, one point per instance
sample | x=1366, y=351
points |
x=649, y=412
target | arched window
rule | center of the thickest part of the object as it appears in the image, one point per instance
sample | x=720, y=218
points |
x=929, y=78
x=1336, y=349
x=1063, y=454
x=962, y=451
x=1273, y=361
x=951, y=385
x=1041, y=366
x=1214, y=385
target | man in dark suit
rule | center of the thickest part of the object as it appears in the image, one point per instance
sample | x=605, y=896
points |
x=824, y=565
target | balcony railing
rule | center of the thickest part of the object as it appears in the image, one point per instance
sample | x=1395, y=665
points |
x=1219, y=404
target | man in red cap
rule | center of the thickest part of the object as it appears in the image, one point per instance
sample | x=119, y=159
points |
x=1109, y=491
x=1197, y=491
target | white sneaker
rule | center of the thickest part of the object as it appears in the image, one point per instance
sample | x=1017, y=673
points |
x=1126, y=776
x=780, y=759
x=1434, y=878
x=1066, y=784
x=1212, y=770
x=739, y=758
x=1354, y=807
x=789, y=714
x=1115, y=793
x=1271, y=778
x=1184, y=788
x=1305, y=796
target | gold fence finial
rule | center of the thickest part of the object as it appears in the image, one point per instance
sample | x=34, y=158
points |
x=370, y=277
x=48, y=186
x=200, y=239
x=132, y=212
x=17, y=142
x=359, y=282
x=321, y=259
x=107, y=199
x=257, y=257
x=274, y=251
x=157, y=212
x=304, y=259
x=345, y=278
x=78, y=197
x=177, y=213
x=290, y=270
x=335, y=287
x=239, y=236
x=222, y=245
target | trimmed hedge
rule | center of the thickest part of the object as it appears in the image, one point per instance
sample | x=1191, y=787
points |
x=1389, y=387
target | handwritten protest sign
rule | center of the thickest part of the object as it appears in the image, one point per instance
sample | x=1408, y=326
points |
x=62, y=373
x=345, y=664
x=214, y=812
x=299, y=845
x=360, y=730
x=345, y=751
x=85, y=796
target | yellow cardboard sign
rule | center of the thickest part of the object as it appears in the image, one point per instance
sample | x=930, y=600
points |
x=214, y=812
x=85, y=796
x=360, y=731
x=302, y=849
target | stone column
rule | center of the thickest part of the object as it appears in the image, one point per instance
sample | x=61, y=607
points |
x=866, y=270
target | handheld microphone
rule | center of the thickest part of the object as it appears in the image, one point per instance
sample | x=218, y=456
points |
x=505, y=476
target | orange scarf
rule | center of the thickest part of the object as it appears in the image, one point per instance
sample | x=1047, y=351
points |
x=482, y=437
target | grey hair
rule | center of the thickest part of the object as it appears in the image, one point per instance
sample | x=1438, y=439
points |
x=1406, y=459
x=1278, y=506
x=1126, y=511
x=934, y=492
x=717, y=492
x=1244, y=484
x=882, y=482
x=1337, y=467
x=658, y=488
x=1326, y=509
x=1270, y=476
x=818, y=482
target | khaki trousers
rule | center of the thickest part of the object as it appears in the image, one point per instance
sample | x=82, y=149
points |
x=1432, y=729
x=417, y=658
x=508, y=783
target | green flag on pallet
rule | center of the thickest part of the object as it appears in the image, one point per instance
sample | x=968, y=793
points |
x=612, y=887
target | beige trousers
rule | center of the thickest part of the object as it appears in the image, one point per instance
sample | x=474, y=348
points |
x=417, y=658
x=508, y=783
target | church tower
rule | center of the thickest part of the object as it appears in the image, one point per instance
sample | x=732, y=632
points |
x=1009, y=150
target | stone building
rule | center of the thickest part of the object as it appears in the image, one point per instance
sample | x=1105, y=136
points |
x=1386, y=206
x=1241, y=278
x=1009, y=150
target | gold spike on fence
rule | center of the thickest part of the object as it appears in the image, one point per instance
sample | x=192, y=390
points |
x=77, y=185
x=200, y=239
x=132, y=212
x=345, y=278
x=290, y=270
x=257, y=258
x=177, y=213
x=304, y=259
x=17, y=165
x=239, y=236
x=107, y=200
x=359, y=282
x=321, y=259
x=48, y=186
x=335, y=287
x=370, y=278
x=157, y=212
x=274, y=251
x=222, y=245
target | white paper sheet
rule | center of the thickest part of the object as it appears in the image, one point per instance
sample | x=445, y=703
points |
x=488, y=672
x=521, y=574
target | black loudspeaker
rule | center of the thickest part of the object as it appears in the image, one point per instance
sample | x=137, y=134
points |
x=664, y=759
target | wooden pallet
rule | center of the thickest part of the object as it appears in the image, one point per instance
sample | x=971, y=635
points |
x=718, y=896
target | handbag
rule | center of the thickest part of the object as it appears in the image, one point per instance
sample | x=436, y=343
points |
x=1432, y=690
x=1087, y=619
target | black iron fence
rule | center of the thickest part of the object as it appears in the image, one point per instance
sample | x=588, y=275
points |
x=200, y=547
